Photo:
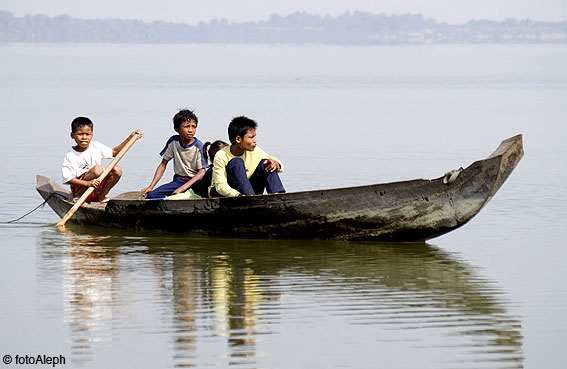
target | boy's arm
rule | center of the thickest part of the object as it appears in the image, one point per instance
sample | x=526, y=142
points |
x=79, y=182
x=190, y=182
x=70, y=175
x=219, y=176
x=274, y=164
x=157, y=176
x=118, y=148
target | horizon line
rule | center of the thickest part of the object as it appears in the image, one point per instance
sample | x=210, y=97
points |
x=327, y=15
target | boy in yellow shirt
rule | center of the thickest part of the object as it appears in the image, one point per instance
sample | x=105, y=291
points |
x=244, y=169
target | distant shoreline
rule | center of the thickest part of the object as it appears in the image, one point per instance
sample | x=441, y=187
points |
x=350, y=28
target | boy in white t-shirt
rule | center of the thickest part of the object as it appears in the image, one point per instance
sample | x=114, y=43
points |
x=82, y=165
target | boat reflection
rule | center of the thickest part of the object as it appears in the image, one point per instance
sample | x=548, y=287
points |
x=218, y=300
x=91, y=291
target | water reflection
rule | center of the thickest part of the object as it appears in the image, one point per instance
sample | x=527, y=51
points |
x=248, y=303
x=91, y=290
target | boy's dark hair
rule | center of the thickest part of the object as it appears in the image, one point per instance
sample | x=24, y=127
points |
x=239, y=126
x=80, y=122
x=184, y=115
x=210, y=149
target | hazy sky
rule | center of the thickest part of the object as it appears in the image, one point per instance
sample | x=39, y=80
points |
x=193, y=11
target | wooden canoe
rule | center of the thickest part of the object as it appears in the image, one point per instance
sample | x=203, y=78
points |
x=411, y=210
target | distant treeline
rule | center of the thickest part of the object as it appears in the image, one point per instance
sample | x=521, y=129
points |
x=356, y=28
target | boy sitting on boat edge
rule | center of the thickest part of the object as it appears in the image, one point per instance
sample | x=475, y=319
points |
x=189, y=163
x=82, y=165
x=244, y=168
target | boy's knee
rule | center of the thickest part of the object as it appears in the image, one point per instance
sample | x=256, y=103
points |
x=235, y=168
x=97, y=170
x=235, y=163
x=116, y=171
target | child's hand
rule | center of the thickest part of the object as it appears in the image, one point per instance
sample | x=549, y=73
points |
x=179, y=190
x=94, y=183
x=273, y=165
x=137, y=133
x=146, y=190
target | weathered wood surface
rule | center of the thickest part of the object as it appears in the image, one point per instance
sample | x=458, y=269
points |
x=398, y=211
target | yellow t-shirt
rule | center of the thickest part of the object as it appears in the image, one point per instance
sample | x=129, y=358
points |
x=251, y=161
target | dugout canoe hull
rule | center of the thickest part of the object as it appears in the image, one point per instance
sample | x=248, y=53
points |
x=411, y=210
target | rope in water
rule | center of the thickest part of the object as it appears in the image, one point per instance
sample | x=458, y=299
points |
x=28, y=213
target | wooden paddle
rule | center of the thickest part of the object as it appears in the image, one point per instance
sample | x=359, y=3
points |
x=101, y=178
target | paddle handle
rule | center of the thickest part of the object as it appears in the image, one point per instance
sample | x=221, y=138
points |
x=101, y=178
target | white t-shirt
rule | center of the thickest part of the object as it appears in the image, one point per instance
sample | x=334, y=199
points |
x=76, y=163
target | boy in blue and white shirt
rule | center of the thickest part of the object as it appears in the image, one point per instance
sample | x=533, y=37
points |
x=189, y=164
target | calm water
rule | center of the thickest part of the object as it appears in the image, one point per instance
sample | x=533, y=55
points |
x=489, y=295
